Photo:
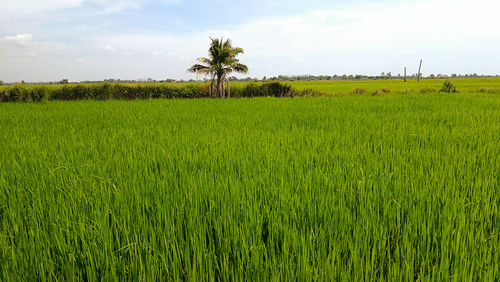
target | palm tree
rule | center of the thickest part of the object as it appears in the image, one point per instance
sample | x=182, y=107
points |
x=220, y=63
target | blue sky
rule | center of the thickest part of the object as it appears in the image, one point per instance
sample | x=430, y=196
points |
x=133, y=39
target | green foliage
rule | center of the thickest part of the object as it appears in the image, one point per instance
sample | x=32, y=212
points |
x=276, y=89
x=221, y=62
x=267, y=89
x=132, y=91
x=251, y=90
x=24, y=93
x=448, y=87
x=400, y=188
x=117, y=91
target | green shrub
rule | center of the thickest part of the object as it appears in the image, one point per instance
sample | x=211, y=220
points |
x=251, y=90
x=104, y=91
x=448, y=87
x=109, y=91
x=276, y=89
x=14, y=94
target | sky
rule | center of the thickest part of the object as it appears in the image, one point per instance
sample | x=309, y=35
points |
x=80, y=40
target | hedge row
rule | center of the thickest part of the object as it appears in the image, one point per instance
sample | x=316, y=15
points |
x=109, y=91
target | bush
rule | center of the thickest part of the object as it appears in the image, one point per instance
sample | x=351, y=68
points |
x=381, y=91
x=273, y=89
x=448, y=87
x=309, y=93
x=276, y=89
x=108, y=91
x=251, y=90
x=358, y=91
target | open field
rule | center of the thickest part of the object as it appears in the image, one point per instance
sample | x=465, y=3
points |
x=398, y=187
x=131, y=91
x=467, y=85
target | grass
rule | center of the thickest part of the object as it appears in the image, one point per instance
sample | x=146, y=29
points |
x=399, y=187
x=131, y=91
x=468, y=85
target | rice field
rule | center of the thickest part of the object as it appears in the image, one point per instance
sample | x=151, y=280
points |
x=468, y=85
x=351, y=188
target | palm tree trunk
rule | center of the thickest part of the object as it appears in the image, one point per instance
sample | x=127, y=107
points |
x=228, y=89
x=223, y=89
x=219, y=88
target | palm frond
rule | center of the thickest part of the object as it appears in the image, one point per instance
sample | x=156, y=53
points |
x=199, y=69
x=205, y=61
x=221, y=61
x=240, y=68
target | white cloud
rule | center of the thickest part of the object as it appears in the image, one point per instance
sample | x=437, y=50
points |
x=30, y=7
x=33, y=6
x=22, y=40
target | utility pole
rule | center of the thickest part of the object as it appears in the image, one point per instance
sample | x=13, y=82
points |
x=419, y=69
x=405, y=74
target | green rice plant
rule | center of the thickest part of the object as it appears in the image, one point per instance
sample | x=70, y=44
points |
x=351, y=188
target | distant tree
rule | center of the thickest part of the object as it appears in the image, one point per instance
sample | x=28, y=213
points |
x=1, y=82
x=382, y=74
x=64, y=81
x=432, y=75
x=221, y=61
x=389, y=74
